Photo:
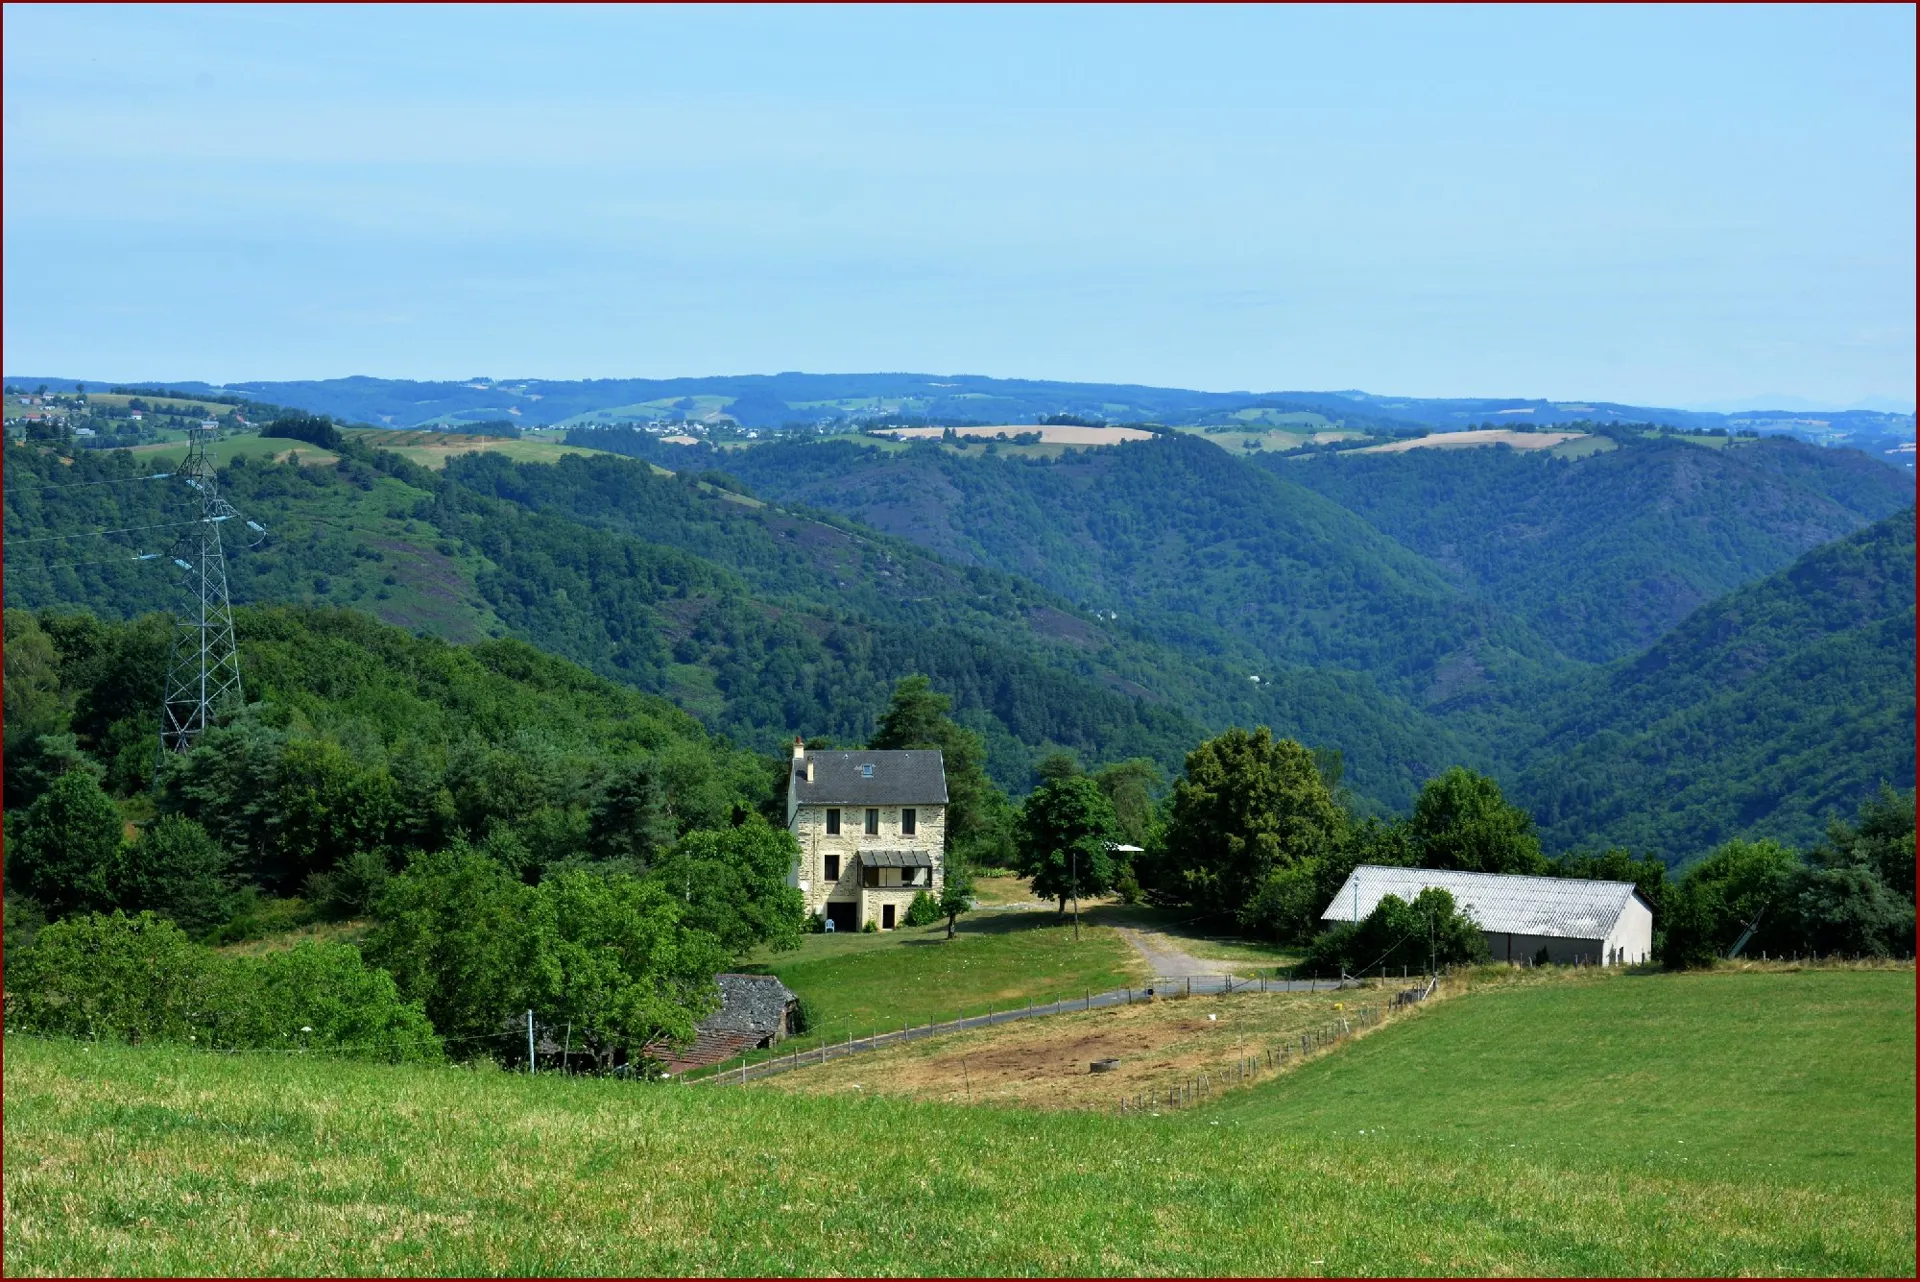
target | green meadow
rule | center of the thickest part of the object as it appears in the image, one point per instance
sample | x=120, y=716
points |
x=1731, y=1123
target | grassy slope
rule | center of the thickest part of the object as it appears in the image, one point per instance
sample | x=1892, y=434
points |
x=873, y=982
x=1803, y=1077
x=1521, y=1149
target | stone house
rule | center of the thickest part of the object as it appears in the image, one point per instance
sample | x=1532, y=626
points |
x=872, y=828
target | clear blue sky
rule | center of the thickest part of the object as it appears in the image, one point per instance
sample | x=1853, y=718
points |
x=1662, y=205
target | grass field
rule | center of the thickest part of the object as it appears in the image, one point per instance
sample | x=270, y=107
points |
x=433, y=449
x=1720, y=1124
x=245, y=445
x=862, y=983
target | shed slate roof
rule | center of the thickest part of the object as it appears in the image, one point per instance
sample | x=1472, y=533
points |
x=896, y=858
x=750, y=1004
x=898, y=777
x=1556, y=907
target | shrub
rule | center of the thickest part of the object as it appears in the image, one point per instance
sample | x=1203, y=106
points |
x=1428, y=931
x=923, y=911
x=872, y=927
x=255, y=916
x=119, y=977
x=177, y=871
x=65, y=846
x=140, y=978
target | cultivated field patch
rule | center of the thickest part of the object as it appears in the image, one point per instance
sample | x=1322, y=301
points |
x=1476, y=437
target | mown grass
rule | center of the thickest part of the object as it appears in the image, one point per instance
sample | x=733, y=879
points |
x=857, y=983
x=1749, y=1076
x=165, y=1160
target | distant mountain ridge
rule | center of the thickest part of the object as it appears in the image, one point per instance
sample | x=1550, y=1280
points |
x=771, y=400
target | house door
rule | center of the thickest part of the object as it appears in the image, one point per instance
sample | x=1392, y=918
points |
x=886, y=916
x=844, y=916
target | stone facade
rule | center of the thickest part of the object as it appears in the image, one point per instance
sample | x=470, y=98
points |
x=872, y=866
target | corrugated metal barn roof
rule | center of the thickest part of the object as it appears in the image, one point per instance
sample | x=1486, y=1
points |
x=890, y=778
x=1559, y=907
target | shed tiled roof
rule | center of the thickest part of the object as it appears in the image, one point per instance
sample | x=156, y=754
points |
x=1556, y=907
x=896, y=858
x=750, y=1004
x=892, y=778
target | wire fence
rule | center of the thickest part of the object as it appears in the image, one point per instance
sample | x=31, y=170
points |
x=747, y=1069
x=1251, y=1065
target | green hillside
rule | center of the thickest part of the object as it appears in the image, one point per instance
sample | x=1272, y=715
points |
x=1768, y=711
x=1177, y=534
x=1432, y=1146
x=1603, y=555
x=760, y=621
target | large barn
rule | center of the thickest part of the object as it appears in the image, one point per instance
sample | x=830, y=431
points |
x=1603, y=923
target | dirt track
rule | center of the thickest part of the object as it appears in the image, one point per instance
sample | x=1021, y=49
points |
x=1166, y=959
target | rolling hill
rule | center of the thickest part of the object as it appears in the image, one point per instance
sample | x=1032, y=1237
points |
x=1765, y=713
x=1602, y=555
x=771, y=400
x=1182, y=537
x=761, y=621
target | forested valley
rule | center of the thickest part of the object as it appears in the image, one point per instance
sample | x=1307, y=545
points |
x=515, y=714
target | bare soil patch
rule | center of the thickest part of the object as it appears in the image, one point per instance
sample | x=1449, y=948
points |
x=1044, y=1063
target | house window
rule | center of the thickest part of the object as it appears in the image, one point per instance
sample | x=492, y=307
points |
x=833, y=868
x=873, y=822
x=866, y=772
x=833, y=823
x=909, y=822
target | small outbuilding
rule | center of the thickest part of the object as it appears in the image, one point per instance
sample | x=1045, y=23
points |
x=1600, y=923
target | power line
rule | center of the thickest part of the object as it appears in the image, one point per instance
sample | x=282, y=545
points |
x=127, y=529
x=80, y=485
x=64, y=565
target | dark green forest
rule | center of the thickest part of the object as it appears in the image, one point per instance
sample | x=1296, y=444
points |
x=1117, y=603
x=761, y=621
x=1603, y=555
x=1765, y=712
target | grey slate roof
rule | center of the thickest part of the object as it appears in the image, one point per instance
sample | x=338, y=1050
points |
x=750, y=1004
x=896, y=858
x=900, y=777
x=1557, y=907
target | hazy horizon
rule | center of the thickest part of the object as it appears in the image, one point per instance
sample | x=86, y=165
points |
x=1796, y=404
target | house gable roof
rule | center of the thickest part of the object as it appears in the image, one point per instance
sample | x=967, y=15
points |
x=895, y=777
x=1555, y=907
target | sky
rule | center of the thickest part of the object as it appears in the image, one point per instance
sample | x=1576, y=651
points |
x=1663, y=205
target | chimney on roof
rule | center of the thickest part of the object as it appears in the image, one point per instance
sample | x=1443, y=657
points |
x=799, y=756
x=799, y=748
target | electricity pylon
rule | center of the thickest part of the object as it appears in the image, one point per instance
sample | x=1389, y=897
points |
x=204, y=675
